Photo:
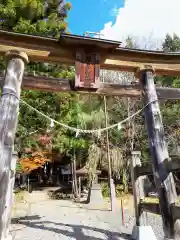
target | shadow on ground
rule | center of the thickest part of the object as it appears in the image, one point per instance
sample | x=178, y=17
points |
x=77, y=233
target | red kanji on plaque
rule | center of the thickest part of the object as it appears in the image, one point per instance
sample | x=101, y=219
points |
x=87, y=70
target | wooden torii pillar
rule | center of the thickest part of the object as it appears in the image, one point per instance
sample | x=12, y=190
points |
x=9, y=107
x=159, y=152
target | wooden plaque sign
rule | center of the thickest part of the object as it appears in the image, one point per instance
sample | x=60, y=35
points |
x=87, y=70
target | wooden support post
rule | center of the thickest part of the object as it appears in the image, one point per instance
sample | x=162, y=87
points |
x=164, y=181
x=74, y=176
x=79, y=180
x=110, y=179
x=9, y=107
x=137, y=185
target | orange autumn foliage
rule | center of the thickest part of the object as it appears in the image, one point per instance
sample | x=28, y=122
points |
x=33, y=162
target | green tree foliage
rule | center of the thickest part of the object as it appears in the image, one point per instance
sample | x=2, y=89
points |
x=171, y=109
x=39, y=17
x=171, y=44
x=44, y=18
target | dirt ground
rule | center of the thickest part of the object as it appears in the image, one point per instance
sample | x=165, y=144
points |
x=37, y=217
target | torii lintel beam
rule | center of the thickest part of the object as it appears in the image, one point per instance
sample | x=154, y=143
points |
x=112, y=56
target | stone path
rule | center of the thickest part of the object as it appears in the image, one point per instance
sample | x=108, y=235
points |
x=60, y=219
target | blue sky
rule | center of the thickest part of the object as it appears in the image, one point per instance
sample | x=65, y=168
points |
x=91, y=15
x=146, y=21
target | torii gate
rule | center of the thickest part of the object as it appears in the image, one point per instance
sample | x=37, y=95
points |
x=88, y=55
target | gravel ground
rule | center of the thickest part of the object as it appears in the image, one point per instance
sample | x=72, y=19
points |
x=60, y=219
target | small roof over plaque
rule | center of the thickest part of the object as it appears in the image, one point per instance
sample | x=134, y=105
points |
x=76, y=40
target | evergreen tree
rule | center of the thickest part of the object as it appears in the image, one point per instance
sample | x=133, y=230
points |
x=39, y=17
x=44, y=18
x=171, y=44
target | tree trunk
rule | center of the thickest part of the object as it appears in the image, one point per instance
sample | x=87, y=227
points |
x=9, y=107
x=75, y=177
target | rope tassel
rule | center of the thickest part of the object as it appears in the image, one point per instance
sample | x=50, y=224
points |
x=99, y=134
x=119, y=126
x=52, y=123
x=77, y=133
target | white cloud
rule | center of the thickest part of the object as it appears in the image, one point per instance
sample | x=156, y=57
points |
x=144, y=20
